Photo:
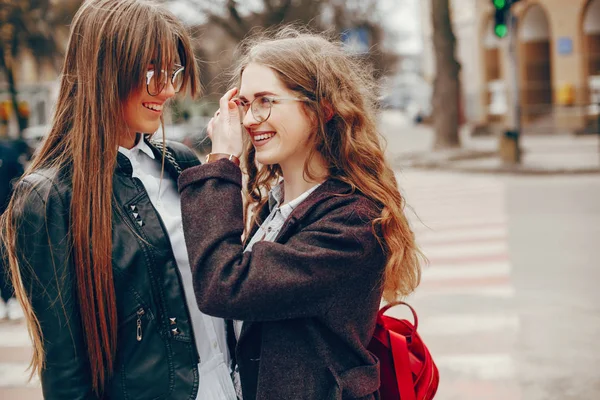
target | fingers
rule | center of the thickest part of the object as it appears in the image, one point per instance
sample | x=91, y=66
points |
x=234, y=113
x=225, y=128
x=229, y=95
x=226, y=99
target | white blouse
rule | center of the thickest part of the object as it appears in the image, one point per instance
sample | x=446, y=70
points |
x=209, y=332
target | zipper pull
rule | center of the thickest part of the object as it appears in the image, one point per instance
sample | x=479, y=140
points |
x=140, y=312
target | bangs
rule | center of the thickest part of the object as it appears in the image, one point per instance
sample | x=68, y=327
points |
x=161, y=50
x=165, y=50
x=171, y=49
x=159, y=43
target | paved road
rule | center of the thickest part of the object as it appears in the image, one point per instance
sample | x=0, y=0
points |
x=509, y=304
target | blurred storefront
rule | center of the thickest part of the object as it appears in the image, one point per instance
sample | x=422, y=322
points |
x=559, y=63
x=37, y=88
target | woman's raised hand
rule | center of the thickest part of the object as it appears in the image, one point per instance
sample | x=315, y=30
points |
x=225, y=128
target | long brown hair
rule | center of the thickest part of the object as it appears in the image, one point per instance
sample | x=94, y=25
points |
x=334, y=82
x=110, y=46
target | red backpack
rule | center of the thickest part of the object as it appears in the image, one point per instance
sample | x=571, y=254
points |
x=407, y=370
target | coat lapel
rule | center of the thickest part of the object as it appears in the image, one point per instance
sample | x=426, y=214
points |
x=329, y=188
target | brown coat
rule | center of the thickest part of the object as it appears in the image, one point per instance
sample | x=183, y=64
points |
x=309, y=300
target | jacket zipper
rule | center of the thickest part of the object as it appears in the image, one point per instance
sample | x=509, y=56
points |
x=187, y=307
x=138, y=331
x=141, y=187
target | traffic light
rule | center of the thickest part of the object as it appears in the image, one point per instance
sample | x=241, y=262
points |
x=501, y=16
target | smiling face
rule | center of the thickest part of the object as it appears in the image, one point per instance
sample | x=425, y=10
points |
x=284, y=137
x=142, y=111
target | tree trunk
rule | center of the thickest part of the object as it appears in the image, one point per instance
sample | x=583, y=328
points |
x=446, y=90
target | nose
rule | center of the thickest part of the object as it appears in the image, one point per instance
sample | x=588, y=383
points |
x=168, y=91
x=247, y=118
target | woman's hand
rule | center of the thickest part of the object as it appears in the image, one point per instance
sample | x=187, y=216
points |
x=225, y=128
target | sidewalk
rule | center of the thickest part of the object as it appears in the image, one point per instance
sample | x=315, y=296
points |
x=409, y=146
x=15, y=355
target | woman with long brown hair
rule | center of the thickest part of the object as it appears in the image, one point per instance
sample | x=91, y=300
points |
x=93, y=232
x=328, y=238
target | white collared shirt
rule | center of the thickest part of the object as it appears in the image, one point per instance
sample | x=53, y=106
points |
x=209, y=332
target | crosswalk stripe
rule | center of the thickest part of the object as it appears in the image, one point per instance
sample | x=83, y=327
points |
x=465, y=250
x=456, y=225
x=439, y=272
x=496, y=291
x=454, y=217
x=442, y=241
x=474, y=198
x=466, y=281
x=473, y=259
x=497, y=366
x=498, y=231
x=16, y=354
x=13, y=335
x=16, y=374
x=467, y=324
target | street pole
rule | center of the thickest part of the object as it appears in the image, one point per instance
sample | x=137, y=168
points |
x=514, y=121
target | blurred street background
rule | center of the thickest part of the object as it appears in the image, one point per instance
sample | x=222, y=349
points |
x=491, y=114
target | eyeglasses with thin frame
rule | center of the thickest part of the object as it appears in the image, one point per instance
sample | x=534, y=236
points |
x=154, y=88
x=261, y=106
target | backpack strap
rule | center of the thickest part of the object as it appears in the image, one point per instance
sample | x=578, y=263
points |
x=178, y=157
x=168, y=155
x=404, y=378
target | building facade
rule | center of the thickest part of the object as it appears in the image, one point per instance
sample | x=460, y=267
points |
x=558, y=62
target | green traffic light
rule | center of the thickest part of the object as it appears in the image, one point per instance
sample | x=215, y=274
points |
x=499, y=4
x=501, y=30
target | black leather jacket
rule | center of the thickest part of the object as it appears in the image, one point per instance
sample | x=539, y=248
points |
x=156, y=353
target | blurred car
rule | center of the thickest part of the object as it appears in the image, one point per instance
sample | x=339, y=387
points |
x=408, y=92
x=191, y=133
x=34, y=135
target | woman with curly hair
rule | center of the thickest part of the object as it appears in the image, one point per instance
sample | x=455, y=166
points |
x=328, y=237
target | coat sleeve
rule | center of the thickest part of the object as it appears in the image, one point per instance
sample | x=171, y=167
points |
x=43, y=252
x=331, y=257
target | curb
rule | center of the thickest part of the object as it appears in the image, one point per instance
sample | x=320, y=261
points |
x=426, y=157
x=507, y=170
x=449, y=165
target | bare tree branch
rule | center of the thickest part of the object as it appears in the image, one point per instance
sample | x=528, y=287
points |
x=226, y=25
x=236, y=20
x=277, y=16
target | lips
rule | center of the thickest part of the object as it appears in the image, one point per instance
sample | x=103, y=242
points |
x=264, y=136
x=153, y=107
x=261, y=138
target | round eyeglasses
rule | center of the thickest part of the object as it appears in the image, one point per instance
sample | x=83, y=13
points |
x=154, y=87
x=261, y=106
